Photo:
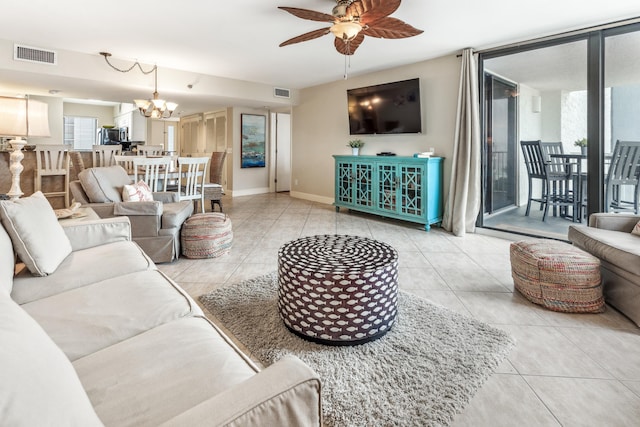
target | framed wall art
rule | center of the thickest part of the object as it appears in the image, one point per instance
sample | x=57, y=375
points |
x=252, y=147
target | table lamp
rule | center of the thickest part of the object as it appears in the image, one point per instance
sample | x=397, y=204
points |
x=21, y=117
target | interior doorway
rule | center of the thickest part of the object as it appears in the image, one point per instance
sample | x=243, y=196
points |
x=281, y=138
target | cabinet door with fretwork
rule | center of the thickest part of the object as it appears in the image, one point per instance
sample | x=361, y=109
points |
x=411, y=191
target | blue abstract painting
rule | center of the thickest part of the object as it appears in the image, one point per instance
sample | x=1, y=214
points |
x=253, y=140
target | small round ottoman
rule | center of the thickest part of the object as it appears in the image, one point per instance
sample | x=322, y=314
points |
x=206, y=235
x=336, y=289
x=557, y=276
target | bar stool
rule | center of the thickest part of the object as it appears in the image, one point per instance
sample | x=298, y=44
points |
x=213, y=190
x=150, y=150
x=104, y=155
x=52, y=161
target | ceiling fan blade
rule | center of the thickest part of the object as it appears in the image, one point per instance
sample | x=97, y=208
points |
x=306, y=36
x=391, y=28
x=348, y=47
x=370, y=11
x=308, y=14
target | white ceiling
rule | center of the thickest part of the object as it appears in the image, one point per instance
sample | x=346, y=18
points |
x=239, y=39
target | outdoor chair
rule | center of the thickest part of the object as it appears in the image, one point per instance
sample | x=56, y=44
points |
x=623, y=174
x=553, y=178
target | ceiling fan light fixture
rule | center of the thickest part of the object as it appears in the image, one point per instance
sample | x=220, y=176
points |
x=340, y=10
x=346, y=30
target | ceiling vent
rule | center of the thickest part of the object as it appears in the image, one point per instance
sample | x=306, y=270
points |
x=281, y=93
x=34, y=54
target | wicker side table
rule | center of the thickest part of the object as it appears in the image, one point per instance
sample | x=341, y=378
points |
x=557, y=276
x=338, y=290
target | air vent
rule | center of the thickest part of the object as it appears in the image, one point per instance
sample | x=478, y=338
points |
x=281, y=93
x=34, y=54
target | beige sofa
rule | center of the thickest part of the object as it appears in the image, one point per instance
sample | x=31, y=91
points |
x=155, y=225
x=609, y=238
x=91, y=333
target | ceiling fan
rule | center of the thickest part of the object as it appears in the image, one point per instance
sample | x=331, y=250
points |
x=352, y=20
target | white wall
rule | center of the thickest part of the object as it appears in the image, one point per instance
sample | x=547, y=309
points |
x=321, y=126
x=103, y=113
x=551, y=116
x=56, y=125
x=529, y=129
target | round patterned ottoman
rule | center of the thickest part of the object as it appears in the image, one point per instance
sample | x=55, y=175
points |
x=206, y=235
x=557, y=276
x=338, y=290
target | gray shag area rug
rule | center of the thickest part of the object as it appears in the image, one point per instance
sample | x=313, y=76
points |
x=422, y=372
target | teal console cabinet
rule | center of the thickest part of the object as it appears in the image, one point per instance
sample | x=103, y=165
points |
x=406, y=188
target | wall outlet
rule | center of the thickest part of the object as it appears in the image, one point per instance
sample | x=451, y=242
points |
x=295, y=181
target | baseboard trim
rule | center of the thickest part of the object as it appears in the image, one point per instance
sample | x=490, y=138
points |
x=249, y=192
x=311, y=197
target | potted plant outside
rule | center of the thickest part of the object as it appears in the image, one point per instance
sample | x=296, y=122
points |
x=355, y=145
x=582, y=143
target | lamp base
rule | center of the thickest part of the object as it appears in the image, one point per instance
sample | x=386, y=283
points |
x=16, y=168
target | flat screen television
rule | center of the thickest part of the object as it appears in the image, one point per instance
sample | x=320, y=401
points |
x=385, y=109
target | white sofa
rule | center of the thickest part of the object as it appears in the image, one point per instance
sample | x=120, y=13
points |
x=91, y=333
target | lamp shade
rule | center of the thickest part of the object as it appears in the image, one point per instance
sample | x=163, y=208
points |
x=23, y=117
x=346, y=30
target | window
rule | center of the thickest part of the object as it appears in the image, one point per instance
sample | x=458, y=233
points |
x=80, y=132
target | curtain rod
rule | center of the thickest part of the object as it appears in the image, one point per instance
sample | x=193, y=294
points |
x=600, y=27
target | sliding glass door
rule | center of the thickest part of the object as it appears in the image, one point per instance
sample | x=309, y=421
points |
x=535, y=95
x=500, y=143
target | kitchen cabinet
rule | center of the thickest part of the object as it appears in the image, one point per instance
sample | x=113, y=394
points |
x=405, y=188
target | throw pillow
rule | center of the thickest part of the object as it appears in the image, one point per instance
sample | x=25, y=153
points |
x=636, y=229
x=37, y=236
x=39, y=385
x=139, y=192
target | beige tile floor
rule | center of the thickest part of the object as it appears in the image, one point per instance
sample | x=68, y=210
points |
x=566, y=370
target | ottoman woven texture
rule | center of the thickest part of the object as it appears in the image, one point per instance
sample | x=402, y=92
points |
x=557, y=276
x=206, y=235
x=337, y=289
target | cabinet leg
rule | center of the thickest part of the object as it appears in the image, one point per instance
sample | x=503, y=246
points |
x=337, y=208
x=427, y=227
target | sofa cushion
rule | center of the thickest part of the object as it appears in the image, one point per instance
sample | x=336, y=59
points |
x=151, y=378
x=82, y=268
x=36, y=234
x=7, y=262
x=618, y=248
x=139, y=192
x=87, y=319
x=174, y=214
x=39, y=385
x=103, y=185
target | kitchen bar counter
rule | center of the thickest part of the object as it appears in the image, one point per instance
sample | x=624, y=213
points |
x=49, y=184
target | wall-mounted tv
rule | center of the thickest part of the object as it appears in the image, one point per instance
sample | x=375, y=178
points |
x=385, y=108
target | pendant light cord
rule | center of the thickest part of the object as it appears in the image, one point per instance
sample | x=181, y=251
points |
x=106, y=56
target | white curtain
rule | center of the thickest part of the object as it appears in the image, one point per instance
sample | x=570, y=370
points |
x=463, y=202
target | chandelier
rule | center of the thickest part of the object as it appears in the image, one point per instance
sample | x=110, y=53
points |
x=154, y=108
